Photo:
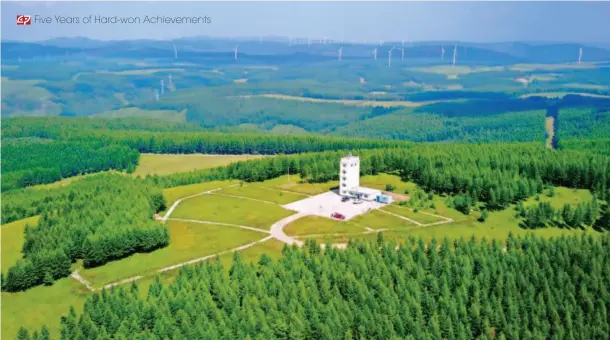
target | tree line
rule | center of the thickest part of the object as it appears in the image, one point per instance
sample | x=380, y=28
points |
x=30, y=162
x=527, y=288
x=99, y=219
x=543, y=215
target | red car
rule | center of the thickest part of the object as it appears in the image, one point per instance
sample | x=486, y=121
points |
x=337, y=216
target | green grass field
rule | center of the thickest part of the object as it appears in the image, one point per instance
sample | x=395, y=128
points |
x=381, y=180
x=295, y=184
x=41, y=305
x=561, y=95
x=176, y=193
x=550, y=67
x=12, y=241
x=378, y=220
x=254, y=190
x=311, y=225
x=217, y=208
x=164, y=164
x=420, y=217
x=188, y=241
x=273, y=248
x=349, y=102
x=562, y=196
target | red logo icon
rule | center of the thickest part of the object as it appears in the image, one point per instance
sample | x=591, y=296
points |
x=24, y=19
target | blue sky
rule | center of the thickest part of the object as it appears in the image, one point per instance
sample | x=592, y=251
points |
x=585, y=22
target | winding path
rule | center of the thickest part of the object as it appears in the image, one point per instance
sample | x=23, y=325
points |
x=276, y=232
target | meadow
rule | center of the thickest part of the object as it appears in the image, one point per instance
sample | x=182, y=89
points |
x=188, y=241
x=218, y=208
x=163, y=164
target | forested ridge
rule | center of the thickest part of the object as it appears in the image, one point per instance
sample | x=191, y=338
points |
x=99, y=219
x=527, y=288
x=30, y=163
x=182, y=141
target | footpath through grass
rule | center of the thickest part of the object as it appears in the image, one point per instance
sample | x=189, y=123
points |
x=421, y=217
x=313, y=225
x=217, y=208
x=256, y=191
x=188, y=241
x=176, y=193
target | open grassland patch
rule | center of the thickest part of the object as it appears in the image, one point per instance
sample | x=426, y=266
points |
x=294, y=183
x=550, y=67
x=421, y=217
x=217, y=208
x=369, y=103
x=41, y=305
x=378, y=220
x=253, y=190
x=561, y=196
x=315, y=225
x=176, y=193
x=12, y=241
x=164, y=164
x=148, y=71
x=381, y=180
x=561, y=94
x=272, y=247
x=188, y=241
x=453, y=72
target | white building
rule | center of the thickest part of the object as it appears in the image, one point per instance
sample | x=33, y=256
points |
x=349, y=175
x=349, y=180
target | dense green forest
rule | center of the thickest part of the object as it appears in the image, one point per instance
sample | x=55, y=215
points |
x=528, y=288
x=136, y=134
x=495, y=174
x=99, y=219
x=30, y=162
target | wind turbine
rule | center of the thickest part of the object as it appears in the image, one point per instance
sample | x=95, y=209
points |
x=340, y=52
x=175, y=52
x=235, y=50
x=443, y=52
x=403, y=54
x=390, y=56
x=403, y=43
x=375, y=53
x=162, y=86
x=579, y=55
x=454, y=54
x=170, y=85
x=156, y=95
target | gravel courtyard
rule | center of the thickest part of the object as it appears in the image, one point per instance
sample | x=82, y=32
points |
x=330, y=202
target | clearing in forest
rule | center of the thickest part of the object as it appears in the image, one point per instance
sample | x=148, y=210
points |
x=241, y=211
x=421, y=217
x=370, y=103
x=562, y=94
x=252, y=190
x=315, y=225
x=164, y=164
x=189, y=241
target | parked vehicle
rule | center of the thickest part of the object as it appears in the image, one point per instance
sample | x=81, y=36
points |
x=337, y=216
x=345, y=199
